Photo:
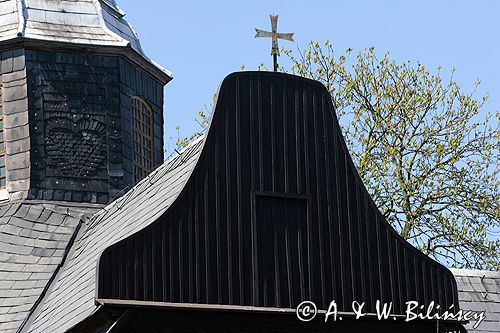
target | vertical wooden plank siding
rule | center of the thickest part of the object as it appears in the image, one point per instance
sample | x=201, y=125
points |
x=274, y=213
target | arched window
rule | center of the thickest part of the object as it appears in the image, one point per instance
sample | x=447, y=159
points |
x=3, y=180
x=142, y=137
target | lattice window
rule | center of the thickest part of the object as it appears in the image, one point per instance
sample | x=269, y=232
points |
x=3, y=180
x=142, y=137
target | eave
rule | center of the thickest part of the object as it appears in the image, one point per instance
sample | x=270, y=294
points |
x=154, y=70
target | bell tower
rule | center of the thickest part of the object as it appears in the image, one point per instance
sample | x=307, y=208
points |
x=81, y=104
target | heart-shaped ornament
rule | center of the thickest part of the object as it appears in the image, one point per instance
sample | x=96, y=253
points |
x=75, y=149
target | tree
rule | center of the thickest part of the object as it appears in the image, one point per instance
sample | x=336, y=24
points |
x=427, y=160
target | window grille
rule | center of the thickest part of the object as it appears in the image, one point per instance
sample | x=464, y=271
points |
x=142, y=137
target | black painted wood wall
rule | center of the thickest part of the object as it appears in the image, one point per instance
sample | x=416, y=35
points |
x=274, y=213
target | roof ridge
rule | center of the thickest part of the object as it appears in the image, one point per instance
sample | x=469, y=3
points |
x=102, y=23
x=21, y=26
x=114, y=7
x=151, y=179
x=475, y=273
x=40, y=300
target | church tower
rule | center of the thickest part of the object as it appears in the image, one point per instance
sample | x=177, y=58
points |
x=81, y=104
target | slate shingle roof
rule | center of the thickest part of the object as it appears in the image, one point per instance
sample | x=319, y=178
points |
x=92, y=22
x=480, y=291
x=33, y=239
x=81, y=21
x=72, y=293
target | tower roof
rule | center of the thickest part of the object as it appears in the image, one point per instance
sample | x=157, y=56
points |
x=86, y=22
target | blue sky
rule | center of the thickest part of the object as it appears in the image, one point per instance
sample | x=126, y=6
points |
x=203, y=41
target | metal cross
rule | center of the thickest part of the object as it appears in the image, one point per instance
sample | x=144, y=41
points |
x=274, y=34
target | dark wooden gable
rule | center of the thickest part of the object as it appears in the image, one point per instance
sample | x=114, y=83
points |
x=273, y=214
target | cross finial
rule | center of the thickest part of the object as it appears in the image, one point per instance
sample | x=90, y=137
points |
x=274, y=34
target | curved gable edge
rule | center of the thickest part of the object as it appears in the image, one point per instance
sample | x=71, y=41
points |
x=270, y=137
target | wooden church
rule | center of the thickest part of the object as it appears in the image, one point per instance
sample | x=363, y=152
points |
x=98, y=234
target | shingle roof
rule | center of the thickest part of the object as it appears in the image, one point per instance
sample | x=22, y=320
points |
x=33, y=239
x=90, y=22
x=72, y=294
x=480, y=291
